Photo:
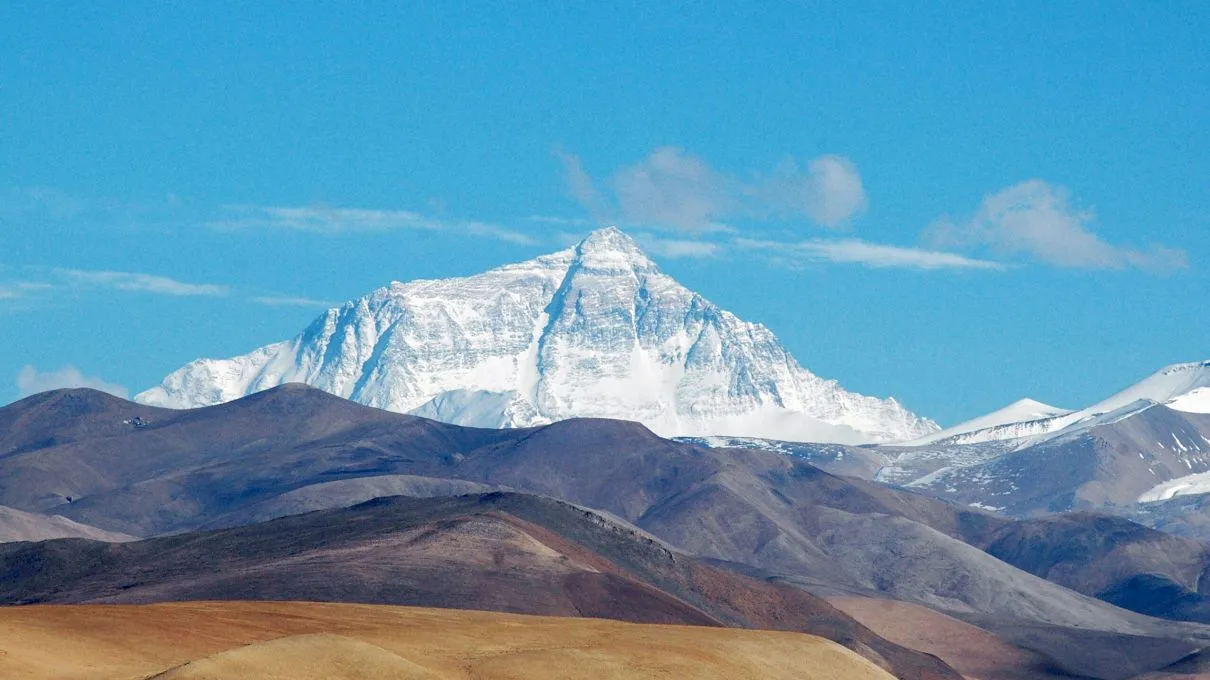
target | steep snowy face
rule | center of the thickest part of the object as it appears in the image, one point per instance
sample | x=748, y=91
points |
x=593, y=331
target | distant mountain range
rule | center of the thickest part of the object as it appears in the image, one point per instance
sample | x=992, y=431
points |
x=1130, y=454
x=596, y=330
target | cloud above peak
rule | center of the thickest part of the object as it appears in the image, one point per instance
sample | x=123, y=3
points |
x=1035, y=219
x=676, y=190
x=671, y=188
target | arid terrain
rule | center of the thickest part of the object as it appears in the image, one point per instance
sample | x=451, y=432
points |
x=306, y=641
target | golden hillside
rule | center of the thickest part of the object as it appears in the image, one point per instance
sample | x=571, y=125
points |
x=311, y=641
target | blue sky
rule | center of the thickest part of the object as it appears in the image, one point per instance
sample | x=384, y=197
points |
x=958, y=206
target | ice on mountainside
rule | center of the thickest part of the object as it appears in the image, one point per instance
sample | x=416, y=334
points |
x=596, y=330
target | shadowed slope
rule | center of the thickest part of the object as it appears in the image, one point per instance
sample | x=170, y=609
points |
x=972, y=651
x=1114, y=559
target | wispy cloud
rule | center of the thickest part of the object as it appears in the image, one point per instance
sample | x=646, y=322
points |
x=494, y=231
x=561, y=221
x=677, y=248
x=1035, y=219
x=673, y=189
x=872, y=255
x=21, y=289
x=332, y=221
x=78, y=280
x=31, y=381
x=138, y=282
x=289, y=301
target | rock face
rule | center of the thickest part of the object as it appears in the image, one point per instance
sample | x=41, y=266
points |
x=596, y=330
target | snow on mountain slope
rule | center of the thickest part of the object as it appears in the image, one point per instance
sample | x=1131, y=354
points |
x=1175, y=383
x=1017, y=413
x=596, y=330
x=1183, y=387
x=1190, y=485
x=1194, y=401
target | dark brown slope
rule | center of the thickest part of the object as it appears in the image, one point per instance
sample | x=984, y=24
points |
x=175, y=470
x=60, y=417
x=503, y=552
x=1114, y=559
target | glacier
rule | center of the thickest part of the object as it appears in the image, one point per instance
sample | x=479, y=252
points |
x=596, y=330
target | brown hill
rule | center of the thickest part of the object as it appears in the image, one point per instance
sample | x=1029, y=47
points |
x=502, y=552
x=304, y=641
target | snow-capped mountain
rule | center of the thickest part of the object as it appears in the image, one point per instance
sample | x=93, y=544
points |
x=1181, y=387
x=1149, y=442
x=1015, y=420
x=596, y=330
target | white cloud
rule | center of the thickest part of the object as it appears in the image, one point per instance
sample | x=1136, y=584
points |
x=290, y=301
x=673, y=189
x=332, y=221
x=677, y=248
x=873, y=255
x=139, y=282
x=1035, y=219
x=31, y=381
x=830, y=192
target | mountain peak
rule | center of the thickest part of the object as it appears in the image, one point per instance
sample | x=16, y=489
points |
x=612, y=245
x=595, y=330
